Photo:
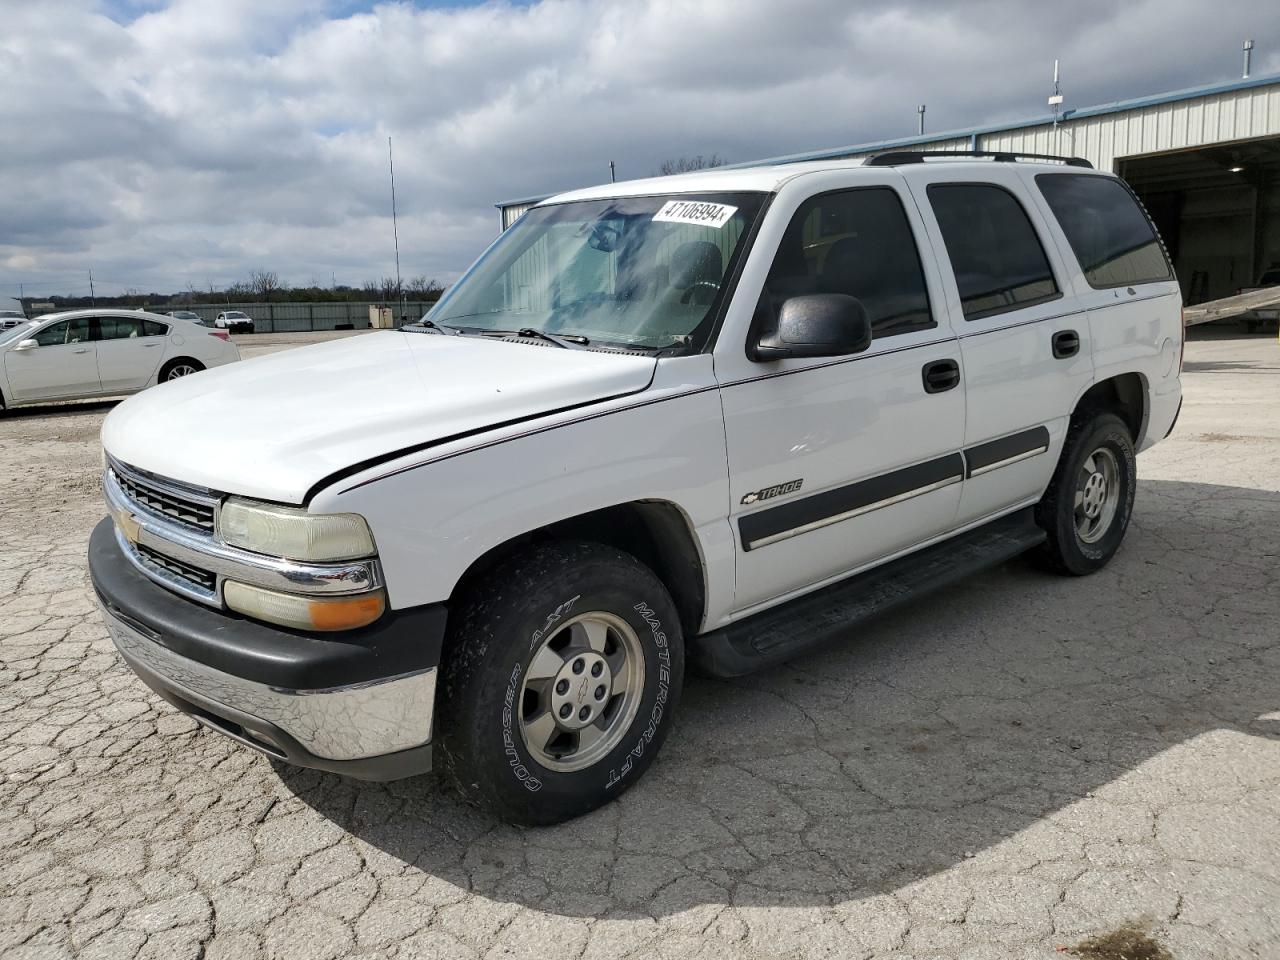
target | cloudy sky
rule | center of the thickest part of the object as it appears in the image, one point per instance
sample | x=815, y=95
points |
x=167, y=145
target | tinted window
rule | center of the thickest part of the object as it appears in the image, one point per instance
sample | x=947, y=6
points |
x=857, y=242
x=154, y=328
x=119, y=328
x=65, y=331
x=995, y=254
x=1108, y=232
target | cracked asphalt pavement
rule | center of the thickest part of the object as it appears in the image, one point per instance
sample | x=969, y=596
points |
x=1018, y=764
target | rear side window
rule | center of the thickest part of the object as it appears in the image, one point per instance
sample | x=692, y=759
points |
x=1108, y=232
x=998, y=261
x=856, y=242
x=154, y=328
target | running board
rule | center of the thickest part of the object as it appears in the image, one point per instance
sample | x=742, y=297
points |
x=797, y=626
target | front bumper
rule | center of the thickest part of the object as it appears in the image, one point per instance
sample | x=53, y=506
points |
x=359, y=704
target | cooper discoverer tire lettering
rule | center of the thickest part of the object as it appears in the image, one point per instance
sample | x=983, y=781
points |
x=560, y=679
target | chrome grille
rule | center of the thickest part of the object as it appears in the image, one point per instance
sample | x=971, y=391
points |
x=194, y=575
x=189, y=513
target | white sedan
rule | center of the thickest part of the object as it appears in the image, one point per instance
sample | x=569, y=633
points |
x=95, y=353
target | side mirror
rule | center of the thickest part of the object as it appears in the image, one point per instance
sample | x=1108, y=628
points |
x=26, y=344
x=816, y=325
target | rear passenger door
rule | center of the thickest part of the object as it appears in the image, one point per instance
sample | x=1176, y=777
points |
x=129, y=351
x=836, y=463
x=1024, y=340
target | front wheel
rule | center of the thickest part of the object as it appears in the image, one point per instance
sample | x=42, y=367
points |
x=559, y=682
x=1087, y=507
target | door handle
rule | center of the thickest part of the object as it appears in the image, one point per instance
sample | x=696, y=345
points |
x=1066, y=343
x=940, y=375
x=82, y=350
x=150, y=345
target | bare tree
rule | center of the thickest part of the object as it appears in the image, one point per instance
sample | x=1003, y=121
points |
x=420, y=288
x=264, y=283
x=689, y=164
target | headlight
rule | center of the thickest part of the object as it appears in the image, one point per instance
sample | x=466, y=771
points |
x=304, y=613
x=292, y=533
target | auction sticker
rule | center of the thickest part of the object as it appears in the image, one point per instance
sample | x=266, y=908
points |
x=695, y=211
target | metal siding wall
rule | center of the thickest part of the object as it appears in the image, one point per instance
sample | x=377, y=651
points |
x=511, y=214
x=1181, y=125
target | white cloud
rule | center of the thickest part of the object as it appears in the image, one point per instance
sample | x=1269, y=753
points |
x=191, y=142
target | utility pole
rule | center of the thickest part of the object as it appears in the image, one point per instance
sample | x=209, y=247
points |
x=920, y=110
x=612, y=173
x=395, y=230
x=93, y=301
x=1055, y=100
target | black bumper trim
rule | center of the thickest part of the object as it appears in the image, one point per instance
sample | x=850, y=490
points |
x=403, y=641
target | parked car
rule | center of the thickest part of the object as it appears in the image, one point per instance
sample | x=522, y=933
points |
x=235, y=321
x=188, y=315
x=11, y=312
x=94, y=353
x=736, y=413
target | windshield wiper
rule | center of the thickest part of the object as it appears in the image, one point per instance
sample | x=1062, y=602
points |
x=572, y=341
x=443, y=328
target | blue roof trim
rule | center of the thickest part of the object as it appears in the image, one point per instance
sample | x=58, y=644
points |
x=1102, y=109
x=1116, y=106
x=516, y=203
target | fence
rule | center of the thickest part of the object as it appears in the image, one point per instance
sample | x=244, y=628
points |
x=294, y=317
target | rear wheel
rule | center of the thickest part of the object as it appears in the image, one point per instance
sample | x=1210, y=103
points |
x=1087, y=507
x=181, y=367
x=559, y=682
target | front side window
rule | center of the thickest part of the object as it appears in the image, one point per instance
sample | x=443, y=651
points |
x=1108, y=232
x=64, y=331
x=859, y=243
x=645, y=272
x=998, y=261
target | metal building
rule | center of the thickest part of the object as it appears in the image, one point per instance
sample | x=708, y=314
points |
x=1205, y=161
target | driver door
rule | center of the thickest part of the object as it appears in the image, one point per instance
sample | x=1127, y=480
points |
x=63, y=364
x=838, y=462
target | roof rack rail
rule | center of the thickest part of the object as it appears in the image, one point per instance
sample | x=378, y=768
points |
x=899, y=157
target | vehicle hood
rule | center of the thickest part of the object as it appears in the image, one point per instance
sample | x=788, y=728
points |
x=275, y=426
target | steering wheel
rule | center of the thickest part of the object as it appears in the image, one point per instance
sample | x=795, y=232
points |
x=688, y=295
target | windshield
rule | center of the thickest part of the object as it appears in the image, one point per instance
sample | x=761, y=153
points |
x=19, y=332
x=641, y=271
x=235, y=315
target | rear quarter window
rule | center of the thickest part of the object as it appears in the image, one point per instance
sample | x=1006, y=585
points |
x=1108, y=231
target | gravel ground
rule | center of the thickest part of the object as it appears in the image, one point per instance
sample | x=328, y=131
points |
x=1018, y=765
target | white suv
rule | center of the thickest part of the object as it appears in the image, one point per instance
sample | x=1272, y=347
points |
x=236, y=321
x=714, y=418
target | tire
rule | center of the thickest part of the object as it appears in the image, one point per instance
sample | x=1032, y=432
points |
x=517, y=657
x=1084, y=537
x=179, y=367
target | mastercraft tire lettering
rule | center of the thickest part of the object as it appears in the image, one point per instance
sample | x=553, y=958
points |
x=561, y=676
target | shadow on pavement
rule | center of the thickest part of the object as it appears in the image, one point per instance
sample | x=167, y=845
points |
x=928, y=736
x=65, y=409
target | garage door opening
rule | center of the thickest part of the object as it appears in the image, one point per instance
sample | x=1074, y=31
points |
x=1218, y=209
